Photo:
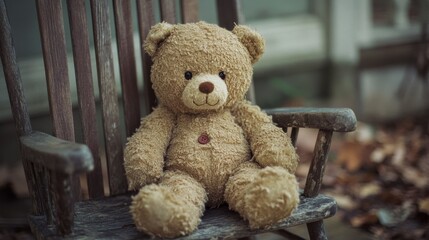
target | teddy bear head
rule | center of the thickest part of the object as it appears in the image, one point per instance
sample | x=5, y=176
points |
x=201, y=67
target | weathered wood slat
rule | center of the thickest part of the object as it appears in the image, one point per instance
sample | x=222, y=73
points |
x=50, y=201
x=110, y=218
x=294, y=135
x=335, y=119
x=51, y=28
x=13, y=76
x=127, y=64
x=16, y=96
x=36, y=194
x=229, y=13
x=168, y=11
x=189, y=10
x=56, y=154
x=145, y=20
x=42, y=180
x=85, y=90
x=55, y=164
x=318, y=163
x=316, y=230
x=108, y=93
x=62, y=196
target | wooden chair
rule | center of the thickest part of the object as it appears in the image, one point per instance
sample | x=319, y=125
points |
x=53, y=163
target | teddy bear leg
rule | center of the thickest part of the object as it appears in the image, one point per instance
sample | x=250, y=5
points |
x=171, y=208
x=263, y=196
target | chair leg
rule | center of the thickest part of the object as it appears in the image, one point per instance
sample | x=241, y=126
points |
x=316, y=230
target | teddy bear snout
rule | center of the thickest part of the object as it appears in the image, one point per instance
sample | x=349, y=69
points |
x=206, y=87
x=205, y=92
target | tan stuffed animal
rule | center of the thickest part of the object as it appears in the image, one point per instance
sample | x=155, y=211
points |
x=204, y=144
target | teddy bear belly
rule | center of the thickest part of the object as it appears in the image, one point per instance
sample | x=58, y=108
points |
x=211, y=163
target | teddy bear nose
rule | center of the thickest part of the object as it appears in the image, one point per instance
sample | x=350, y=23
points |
x=206, y=87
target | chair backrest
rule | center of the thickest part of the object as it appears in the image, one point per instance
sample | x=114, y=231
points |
x=51, y=25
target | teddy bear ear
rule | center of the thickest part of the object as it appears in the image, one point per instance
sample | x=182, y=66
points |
x=157, y=34
x=252, y=40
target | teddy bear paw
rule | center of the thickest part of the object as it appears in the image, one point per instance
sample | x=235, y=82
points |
x=271, y=197
x=157, y=211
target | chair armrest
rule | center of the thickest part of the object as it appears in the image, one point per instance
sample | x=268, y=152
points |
x=327, y=120
x=57, y=154
x=333, y=119
x=53, y=179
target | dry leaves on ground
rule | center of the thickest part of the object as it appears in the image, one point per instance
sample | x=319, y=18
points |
x=379, y=177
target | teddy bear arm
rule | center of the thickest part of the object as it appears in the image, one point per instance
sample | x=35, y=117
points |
x=269, y=144
x=145, y=150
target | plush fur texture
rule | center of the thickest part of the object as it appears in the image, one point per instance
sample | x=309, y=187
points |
x=204, y=144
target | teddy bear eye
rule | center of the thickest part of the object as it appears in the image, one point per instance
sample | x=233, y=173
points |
x=188, y=75
x=222, y=75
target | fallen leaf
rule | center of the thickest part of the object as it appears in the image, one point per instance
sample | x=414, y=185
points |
x=414, y=176
x=364, y=133
x=377, y=155
x=398, y=158
x=424, y=205
x=343, y=201
x=364, y=219
x=368, y=190
x=388, y=218
x=351, y=156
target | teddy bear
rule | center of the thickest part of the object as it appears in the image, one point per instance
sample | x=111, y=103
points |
x=204, y=144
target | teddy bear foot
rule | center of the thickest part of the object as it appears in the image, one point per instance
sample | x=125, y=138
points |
x=270, y=198
x=157, y=211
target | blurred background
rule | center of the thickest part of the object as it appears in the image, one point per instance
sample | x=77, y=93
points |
x=368, y=55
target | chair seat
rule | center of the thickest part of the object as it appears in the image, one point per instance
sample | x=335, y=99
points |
x=110, y=218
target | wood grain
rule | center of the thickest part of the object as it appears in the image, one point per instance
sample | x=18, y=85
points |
x=43, y=180
x=108, y=93
x=55, y=163
x=316, y=230
x=110, y=218
x=127, y=64
x=36, y=193
x=12, y=76
x=16, y=96
x=189, y=10
x=146, y=19
x=85, y=90
x=60, y=189
x=335, y=119
x=318, y=163
x=168, y=11
x=56, y=154
x=229, y=13
x=51, y=26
